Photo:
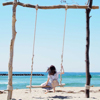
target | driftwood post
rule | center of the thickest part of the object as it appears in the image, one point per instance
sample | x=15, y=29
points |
x=10, y=87
x=88, y=76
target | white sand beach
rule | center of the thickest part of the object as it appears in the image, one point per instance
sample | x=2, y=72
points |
x=62, y=93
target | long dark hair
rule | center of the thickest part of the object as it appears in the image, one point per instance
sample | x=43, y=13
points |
x=51, y=70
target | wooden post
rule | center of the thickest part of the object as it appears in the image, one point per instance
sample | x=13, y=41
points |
x=88, y=76
x=10, y=89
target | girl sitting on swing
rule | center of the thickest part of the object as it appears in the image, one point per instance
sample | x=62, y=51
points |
x=52, y=80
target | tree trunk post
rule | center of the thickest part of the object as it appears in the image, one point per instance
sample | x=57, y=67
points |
x=10, y=87
x=88, y=76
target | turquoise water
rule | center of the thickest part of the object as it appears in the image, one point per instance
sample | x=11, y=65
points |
x=70, y=79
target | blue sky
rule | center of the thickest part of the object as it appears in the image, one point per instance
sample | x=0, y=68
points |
x=49, y=37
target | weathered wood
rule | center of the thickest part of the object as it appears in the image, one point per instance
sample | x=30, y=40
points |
x=52, y=7
x=12, y=50
x=7, y=3
x=88, y=76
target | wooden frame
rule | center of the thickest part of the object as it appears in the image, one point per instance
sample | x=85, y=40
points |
x=15, y=3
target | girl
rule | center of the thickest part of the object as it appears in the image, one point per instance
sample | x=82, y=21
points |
x=52, y=74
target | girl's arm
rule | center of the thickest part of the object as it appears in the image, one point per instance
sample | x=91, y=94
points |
x=46, y=82
x=62, y=70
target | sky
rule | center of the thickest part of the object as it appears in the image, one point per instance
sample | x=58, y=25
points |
x=49, y=37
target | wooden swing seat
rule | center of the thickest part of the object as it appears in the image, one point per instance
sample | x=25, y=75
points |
x=39, y=86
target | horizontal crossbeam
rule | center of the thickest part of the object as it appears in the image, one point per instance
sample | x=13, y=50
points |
x=52, y=7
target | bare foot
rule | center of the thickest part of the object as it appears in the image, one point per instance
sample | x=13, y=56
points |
x=46, y=92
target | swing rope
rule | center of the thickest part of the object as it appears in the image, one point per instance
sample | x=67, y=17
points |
x=33, y=48
x=63, y=43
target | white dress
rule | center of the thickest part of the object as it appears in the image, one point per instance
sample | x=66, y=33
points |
x=51, y=78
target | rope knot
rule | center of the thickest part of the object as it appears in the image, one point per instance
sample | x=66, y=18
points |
x=87, y=87
x=66, y=7
x=36, y=7
x=9, y=87
x=61, y=56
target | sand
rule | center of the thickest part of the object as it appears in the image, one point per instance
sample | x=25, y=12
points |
x=62, y=93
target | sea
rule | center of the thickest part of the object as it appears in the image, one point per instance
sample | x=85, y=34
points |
x=71, y=79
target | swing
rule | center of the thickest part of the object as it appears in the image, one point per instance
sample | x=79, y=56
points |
x=39, y=86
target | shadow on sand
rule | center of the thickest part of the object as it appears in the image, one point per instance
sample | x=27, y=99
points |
x=61, y=97
x=54, y=97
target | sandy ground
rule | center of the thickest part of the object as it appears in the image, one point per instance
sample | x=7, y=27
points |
x=62, y=93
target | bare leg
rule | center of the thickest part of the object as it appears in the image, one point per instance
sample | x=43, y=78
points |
x=54, y=89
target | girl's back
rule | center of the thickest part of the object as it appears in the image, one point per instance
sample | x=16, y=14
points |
x=53, y=77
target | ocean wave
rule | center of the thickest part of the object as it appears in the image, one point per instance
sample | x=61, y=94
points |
x=3, y=82
x=23, y=82
x=7, y=82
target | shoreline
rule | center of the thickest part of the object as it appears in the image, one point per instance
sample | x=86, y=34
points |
x=62, y=93
x=22, y=74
